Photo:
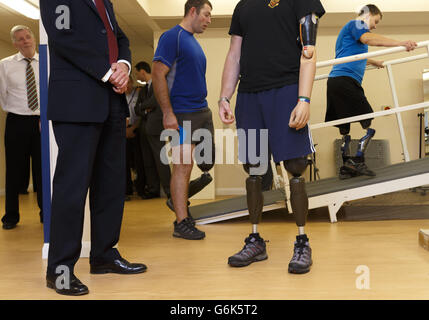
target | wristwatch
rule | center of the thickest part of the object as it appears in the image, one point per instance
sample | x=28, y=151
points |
x=223, y=99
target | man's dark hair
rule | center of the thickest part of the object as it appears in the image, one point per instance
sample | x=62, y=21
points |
x=198, y=4
x=143, y=65
x=372, y=9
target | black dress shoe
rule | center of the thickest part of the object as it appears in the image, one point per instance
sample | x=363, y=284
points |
x=149, y=195
x=9, y=225
x=76, y=288
x=120, y=266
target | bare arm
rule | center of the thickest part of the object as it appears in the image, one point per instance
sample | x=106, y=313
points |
x=230, y=76
x=301, y=114
x=160, y=88
x=377, y=40
x=375, y=63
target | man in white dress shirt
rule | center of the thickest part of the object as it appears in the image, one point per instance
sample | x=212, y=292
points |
x=19, y=97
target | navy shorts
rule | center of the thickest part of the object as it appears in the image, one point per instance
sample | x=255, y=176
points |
x=270, y=110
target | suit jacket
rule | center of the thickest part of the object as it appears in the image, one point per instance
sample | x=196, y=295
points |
x=147, y=101
x=79, y=59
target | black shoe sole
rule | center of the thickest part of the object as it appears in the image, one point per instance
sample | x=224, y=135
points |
x=51, y=286
x=299, y=271
x=104, y=271
x=9, y=227
x=349, y=172
x=239, y=264
x=178, y=235
x=344, y=176
x=357, y=174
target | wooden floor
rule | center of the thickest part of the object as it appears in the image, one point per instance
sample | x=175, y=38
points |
x=181, y=269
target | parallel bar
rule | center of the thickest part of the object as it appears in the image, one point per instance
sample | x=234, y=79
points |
x=370, y=115
x=406, y=59
x=390, y=62
x=367, y=55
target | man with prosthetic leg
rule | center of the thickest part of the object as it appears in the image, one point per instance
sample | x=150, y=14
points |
x=345, y=95
x=180, y=66
x=276, y=74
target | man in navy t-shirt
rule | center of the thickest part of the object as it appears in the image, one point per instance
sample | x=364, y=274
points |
x=179, y=82
x=345, y=95
x=272, y=59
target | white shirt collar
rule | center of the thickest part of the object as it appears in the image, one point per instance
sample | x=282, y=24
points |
x=20, y=56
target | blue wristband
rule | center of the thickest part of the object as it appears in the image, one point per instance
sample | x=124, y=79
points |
x=305, y=99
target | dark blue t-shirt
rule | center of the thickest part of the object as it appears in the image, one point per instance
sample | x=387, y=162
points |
x=348, y=44
x=181, y=52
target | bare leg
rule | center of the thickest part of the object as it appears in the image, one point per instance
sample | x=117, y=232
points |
x=182, y=168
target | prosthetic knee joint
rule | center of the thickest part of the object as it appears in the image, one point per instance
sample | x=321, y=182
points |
x=298, y=194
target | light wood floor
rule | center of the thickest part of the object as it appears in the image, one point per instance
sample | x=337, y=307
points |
x=181, y=269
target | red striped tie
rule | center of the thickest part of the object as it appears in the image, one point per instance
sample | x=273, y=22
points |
x=111, y=38
x=33, y=101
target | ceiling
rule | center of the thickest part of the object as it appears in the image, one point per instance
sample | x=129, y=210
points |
x=139, y=26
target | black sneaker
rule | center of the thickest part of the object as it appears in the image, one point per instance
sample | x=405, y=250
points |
x=347, y=173
x=186, y=230
x=301, y=260
x=358, y=168
x=254, y=250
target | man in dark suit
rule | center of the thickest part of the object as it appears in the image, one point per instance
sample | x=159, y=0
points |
x=89, y=69
x=150, y=132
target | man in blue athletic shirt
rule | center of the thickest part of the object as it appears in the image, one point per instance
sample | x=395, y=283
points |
x=179, y=82
x=345, y=95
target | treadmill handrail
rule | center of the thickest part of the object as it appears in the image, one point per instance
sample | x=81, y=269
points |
x=363, y=56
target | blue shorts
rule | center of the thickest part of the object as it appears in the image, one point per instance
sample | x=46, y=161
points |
x=270, y=110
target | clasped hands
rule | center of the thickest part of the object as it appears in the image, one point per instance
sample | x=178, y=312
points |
x=119, y=78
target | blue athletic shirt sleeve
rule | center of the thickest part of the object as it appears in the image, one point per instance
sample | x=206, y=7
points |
x=166, y=52
x=357, y=29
